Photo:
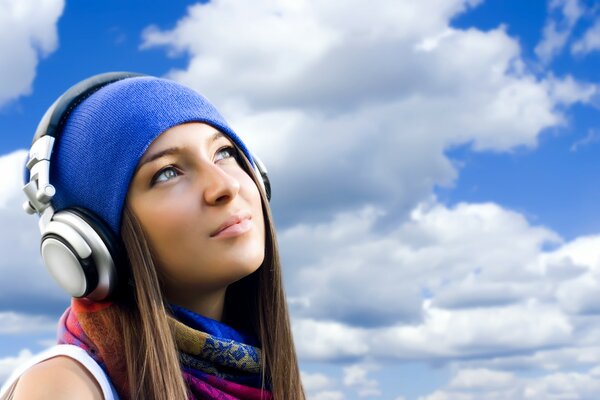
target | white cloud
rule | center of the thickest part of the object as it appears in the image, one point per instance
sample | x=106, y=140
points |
x=569, y=91
x=327, y=395
x=360, y=107
x=564, y=15
x=590, y=41
x=541, y=327
x=552, y=43
x=380, y=275
x=479, y=332
x=14, y=323
x=279, y=59
x=564, y=385
x=497, y=385
x=25, y=285
x=27, y=33
x=316, y=381
x=592, y=137
x=319, y=386
x=489, y=291
x=12, y=165
x=322, y=340
x=481, y=379
x=353, y=108
x=581, y=295
x=356, y=376
x=582, y=352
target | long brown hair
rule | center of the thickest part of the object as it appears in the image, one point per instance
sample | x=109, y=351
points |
x=150, y=351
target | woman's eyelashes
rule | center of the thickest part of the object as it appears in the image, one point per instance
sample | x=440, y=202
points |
x=226, y=152
x=164, y=175
x=171, y=171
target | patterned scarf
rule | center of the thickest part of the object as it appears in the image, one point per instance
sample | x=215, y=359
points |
x=217, y=361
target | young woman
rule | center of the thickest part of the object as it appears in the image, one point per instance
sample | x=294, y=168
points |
x=155, y=218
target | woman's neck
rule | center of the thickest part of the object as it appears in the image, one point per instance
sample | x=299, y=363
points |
x=209, y=305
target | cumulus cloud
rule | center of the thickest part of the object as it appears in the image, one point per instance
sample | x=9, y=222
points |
x=316, y=381
x=354, y=124
x=355, y=379
x=592, y=137
x=492, y=289
x=10, y=187
x=582, y=352
x=327, y=395
x=319, y=386
x=444, y=336
x=353, y=107
x=481, y=379
x=13, y=323
x=569, y=91
x=563, y=16
x=26, y=286
x=492, y=384
x=329, y=340
x=469, y=255
x=27, y=33
x=590, y=41
x=477, y=332
x=362, y=105
x=356, y=376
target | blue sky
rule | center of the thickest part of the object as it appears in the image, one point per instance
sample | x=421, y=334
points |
x=546, y=181
x=434, y=168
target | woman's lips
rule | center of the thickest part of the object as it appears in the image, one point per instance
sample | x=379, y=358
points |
x=233, y=226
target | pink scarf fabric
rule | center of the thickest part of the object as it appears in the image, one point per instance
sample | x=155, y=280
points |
x=217, y=361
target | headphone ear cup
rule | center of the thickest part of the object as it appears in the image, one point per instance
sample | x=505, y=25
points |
x=261, y=172
x=81, y=253
x=69, y=259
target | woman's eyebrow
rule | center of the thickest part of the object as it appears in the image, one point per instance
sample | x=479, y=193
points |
x=216, y=136
x=162, y=153
x=174, y=150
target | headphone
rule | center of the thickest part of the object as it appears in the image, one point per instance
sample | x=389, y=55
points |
x=79, y=249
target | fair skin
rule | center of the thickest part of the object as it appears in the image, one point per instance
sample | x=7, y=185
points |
x=202, y=216
x=60, y=378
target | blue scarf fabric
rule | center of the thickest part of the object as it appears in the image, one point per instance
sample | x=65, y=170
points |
x=217, y=361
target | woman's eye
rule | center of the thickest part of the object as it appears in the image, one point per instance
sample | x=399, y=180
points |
x=164, y=175
x=225, y=152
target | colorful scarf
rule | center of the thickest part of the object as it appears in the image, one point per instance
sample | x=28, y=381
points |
x=217, y=361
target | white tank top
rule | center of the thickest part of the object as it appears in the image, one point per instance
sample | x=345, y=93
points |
x=68, y=350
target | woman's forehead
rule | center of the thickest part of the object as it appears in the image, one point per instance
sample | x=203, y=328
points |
x=111, y=131
x=188, y=134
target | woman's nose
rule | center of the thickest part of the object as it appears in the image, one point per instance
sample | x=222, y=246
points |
x=219, y=186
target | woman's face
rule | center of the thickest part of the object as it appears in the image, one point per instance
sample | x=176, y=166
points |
x=199, y=209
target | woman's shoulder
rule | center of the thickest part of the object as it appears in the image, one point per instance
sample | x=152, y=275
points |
x=60, y=377
x=61, y=372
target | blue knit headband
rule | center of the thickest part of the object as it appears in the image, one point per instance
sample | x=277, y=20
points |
x=107, y=134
